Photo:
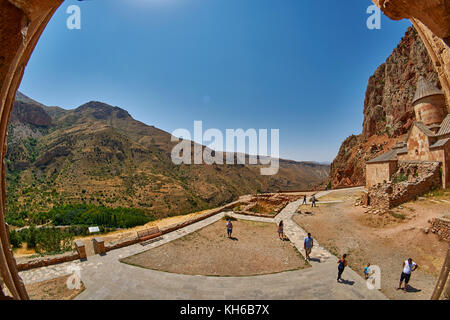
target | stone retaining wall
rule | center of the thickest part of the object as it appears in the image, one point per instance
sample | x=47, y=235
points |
x=441, y=226
x=171, y=228
x=27, y=263
x=47, y=261
x=422, y=176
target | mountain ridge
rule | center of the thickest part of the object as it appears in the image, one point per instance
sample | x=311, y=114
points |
x=98, y=154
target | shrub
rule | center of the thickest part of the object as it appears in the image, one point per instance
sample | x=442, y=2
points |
x=257, y=209
x=400, y=178
x=227, y=218
x=397, y=215
x=31, y=237
x=53, y=240
x=15, y=239
x=85, y=214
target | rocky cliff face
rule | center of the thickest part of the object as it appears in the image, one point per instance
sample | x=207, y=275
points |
x=30, y=114
x=388, y=111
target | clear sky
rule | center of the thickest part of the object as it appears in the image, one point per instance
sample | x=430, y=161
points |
x=300, y=66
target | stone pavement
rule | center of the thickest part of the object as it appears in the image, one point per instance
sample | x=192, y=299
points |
x=105, y=277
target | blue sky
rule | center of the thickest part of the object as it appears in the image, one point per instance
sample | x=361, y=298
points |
x=300, y=66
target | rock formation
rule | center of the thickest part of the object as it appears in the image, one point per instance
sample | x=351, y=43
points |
x=388, y=111
x=432, y=21
x=31, y=114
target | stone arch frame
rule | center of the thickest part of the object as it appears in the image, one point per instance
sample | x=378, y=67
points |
x=21, y=25
x=23, y=21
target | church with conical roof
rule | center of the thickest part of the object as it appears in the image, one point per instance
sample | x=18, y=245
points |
x=427, y=141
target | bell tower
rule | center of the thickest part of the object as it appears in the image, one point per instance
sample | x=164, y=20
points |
x=429, y=103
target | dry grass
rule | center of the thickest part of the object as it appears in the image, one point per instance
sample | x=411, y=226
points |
x=342, y=194
x=54, y=289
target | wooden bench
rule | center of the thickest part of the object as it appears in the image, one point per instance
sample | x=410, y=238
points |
x=147, y=234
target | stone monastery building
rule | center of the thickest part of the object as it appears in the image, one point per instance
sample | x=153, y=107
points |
x=427, y=143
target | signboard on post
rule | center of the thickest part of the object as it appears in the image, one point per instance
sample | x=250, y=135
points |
x=94, y=229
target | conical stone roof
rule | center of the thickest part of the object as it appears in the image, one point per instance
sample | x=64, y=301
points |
x=425, y=89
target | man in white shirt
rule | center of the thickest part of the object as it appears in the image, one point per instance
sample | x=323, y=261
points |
x=408, y=267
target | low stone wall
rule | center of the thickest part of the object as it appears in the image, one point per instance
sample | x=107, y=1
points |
x=256, y=214
x=121, y=244
x=202, y=217
x=278, y=201
x=421, y=177
x=27, y=264
x=171, y=228
x=441, y=226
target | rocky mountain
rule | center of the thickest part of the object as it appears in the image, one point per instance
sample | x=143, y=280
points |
x=388, y=111
x=99, y=154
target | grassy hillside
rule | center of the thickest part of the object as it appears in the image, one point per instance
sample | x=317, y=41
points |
x=99, y=155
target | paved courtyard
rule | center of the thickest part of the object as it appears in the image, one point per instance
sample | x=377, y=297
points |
x=105, y=277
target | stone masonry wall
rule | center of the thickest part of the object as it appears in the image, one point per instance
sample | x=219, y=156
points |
x=411, y=179
x=46, y=261
x=441, y=226
x=379, y=172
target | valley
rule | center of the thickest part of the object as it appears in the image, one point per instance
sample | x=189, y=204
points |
x=98, y=155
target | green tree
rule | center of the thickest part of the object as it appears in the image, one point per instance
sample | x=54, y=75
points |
x=31, y=237
x=15, y=239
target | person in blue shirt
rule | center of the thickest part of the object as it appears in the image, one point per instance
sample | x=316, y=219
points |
x=367, y=271
x=308, y=244
x=229, y=228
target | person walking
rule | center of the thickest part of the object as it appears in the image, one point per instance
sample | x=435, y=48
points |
x=304, y=200
x=313, y=201
x=229, y=228
x=281, y=230
x=408, y=267
x=308, y=244
x=342, y=263
x=367, y=271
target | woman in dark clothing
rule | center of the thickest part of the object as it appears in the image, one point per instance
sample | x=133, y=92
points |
x=281, y=230
x=342, y=263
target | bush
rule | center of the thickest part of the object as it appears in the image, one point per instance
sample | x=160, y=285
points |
x=398, y=215
x=53, y=240
x=85, y=214
x=30, y=237
x=15, y=218
x=15, y=239
x=257, y=209
x=400, y=178
x=228, y=218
